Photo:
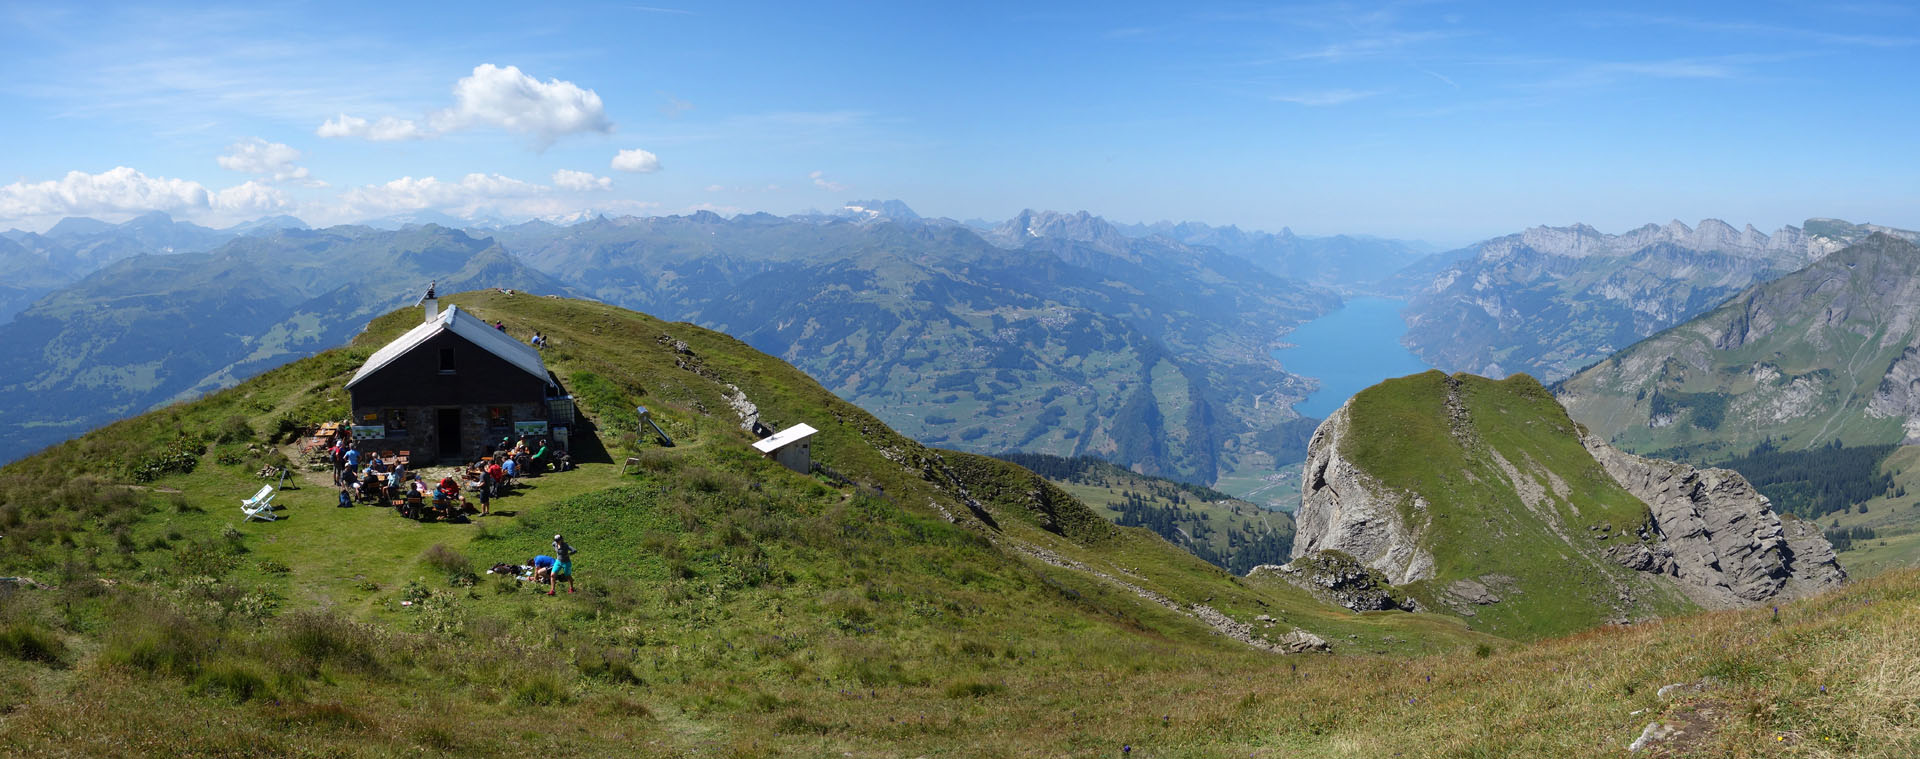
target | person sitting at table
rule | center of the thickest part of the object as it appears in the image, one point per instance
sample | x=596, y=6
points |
x=372, y=488
x=511, y=467
x=348, y=479
x=537, y=463
x=396, y=480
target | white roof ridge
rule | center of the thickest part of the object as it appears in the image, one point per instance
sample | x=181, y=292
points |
x=782, y=438
x=467, y=326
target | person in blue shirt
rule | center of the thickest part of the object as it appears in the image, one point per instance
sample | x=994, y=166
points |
x=562, y=565
x=352, y=458
x=542, y=568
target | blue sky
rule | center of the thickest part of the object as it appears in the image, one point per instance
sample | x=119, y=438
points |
x=1443, y=121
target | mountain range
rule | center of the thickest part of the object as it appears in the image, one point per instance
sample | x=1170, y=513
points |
x=1830, y=353
x=1551, y=300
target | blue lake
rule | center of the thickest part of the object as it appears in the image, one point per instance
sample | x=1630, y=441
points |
x=1348, y=351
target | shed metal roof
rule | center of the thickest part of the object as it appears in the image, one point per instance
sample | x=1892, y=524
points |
x=783, y=438
x=465, y=325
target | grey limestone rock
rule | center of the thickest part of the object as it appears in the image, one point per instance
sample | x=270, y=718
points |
x=1718, y=537
x=1340, y=579
x=1344, y=509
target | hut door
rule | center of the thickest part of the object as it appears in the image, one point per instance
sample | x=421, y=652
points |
x=449, y=429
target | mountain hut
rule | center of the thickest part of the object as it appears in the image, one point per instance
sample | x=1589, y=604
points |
x=452, y=388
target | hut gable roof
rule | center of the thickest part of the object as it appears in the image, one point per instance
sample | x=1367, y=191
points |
x=465, y=325
x=784, y=438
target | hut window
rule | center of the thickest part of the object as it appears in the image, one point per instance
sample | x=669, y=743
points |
x=499, y=417
x=446, y=361
x=396, y=420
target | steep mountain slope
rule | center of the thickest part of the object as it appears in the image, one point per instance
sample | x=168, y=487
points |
x=1550, y=300
x=1082, y=341
x=1828, y=353
x=1224, y=531
x=157, y=327
x=1483, y=497
x=31, y=273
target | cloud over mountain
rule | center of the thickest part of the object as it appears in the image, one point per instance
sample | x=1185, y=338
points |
x=636, y=161
x=123, y=190
x=498, y=96
x=568, y=179
x=271, y=161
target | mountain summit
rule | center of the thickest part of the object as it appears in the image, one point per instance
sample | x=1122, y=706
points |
x=1482, y=498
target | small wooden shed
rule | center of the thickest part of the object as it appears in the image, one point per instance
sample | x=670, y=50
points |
x=791, y=447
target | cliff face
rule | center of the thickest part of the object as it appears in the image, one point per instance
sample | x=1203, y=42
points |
x=1344, y=509
x=1719, y=539
x=1455, y=487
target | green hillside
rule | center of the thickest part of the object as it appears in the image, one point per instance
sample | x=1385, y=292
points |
x=727, y=604
x=1225, y=531
x=1821, y=355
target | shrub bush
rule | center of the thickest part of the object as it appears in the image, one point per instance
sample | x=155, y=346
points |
x=973, y=689
x=235, y=682
x=539, y=690
x=28, y=643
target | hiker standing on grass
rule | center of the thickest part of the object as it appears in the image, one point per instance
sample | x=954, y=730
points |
x=562, y=565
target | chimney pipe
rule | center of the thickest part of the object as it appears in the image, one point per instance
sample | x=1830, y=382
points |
x=432, y=304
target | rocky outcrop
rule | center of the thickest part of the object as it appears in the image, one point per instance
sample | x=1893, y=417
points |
x=1339, y=579
x=1718, y=538
x=1344, y=509
x=1898, y=395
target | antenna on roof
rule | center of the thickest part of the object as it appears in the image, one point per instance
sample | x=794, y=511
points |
x=431, y=302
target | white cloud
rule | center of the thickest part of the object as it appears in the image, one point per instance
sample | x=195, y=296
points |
x=272, y=161
x=568, y=179
x=387, y=129
x=477, y=196
x=497, y=96
x=471, y=193
x=821, y=181
x=714, y=188
x=251, y=198
x=116, y=191
x=124, y=191
x=513, y=101
x=637, y=161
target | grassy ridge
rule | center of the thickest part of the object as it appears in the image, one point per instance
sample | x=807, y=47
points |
x=1446, y=438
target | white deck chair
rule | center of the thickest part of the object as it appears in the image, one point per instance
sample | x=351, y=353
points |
x=260, y=506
